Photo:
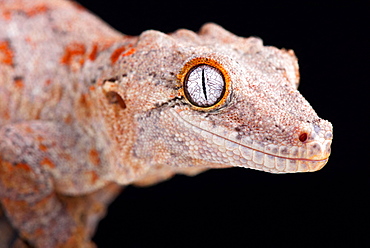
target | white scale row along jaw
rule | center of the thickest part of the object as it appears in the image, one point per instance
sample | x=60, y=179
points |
x=231, y=148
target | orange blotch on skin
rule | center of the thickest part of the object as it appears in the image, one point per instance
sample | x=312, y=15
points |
x=19, y=177
x=43, y=148
x=85, y=106
x=6, y=167
x=39, y=232
x=94, y=52
x=99, y=46
x=129, y=52
x=6, y=54
x=73, y=50
x=94, y=157
x=37, y=10
x=47, y=82
x=68, y=119
x=47, y=162
x=121, y=52
x=30, y=12
x=23, y=166
x=84, y=100
x=66, y=156
x=7, y=14
x=18, y=83
x=116, y=53
x=28, y=130
x=14, y=207
x=6, y=115
x=93, y=176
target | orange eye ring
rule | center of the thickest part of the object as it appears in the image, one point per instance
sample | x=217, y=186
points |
x=189, y=67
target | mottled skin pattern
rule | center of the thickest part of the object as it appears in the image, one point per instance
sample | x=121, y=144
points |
x=84, y=109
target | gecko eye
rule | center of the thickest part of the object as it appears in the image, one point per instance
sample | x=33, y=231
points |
x=205, y=83
x=204, y=86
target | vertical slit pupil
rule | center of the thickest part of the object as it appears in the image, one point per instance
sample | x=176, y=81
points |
x=204, y=85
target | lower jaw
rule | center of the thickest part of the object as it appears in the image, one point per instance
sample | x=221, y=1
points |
x=290, y=166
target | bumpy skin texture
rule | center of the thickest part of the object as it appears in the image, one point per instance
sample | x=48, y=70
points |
x=84, y=109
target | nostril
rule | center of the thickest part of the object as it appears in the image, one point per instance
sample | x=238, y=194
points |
x=303, y=137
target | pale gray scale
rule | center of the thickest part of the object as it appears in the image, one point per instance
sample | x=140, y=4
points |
x=205, y=85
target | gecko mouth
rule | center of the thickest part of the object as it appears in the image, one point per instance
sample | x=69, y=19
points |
x=310, y=157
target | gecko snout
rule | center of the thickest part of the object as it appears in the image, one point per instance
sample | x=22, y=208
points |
x=317, y=140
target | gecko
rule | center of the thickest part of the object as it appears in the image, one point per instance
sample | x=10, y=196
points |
x=86, y=110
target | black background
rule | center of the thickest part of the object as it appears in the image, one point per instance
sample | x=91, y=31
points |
x=246, y=208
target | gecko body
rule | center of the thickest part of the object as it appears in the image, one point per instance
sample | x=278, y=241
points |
x=84, y=109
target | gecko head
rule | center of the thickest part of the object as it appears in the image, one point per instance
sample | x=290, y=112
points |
x=219, y=100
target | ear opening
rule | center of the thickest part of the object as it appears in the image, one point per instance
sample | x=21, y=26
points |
x=111, y=91
x=115, y=98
